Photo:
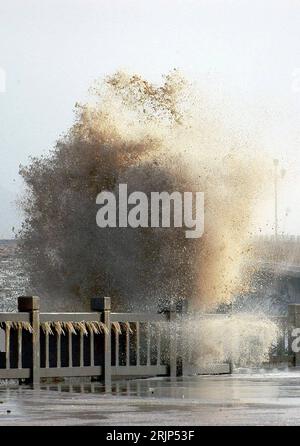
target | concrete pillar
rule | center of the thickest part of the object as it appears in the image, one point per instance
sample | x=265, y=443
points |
x=31, y=304
x=103, y=305
x=177, y=354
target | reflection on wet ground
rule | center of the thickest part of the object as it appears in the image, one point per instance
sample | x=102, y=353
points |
x=260, y=397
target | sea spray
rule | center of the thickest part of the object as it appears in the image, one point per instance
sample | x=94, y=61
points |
x=153, y=138
x=244, y=340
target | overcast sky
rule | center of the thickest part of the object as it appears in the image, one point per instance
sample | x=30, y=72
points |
x=52, y=50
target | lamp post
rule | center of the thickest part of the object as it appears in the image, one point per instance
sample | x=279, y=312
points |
x=276, y=177
x=276, y=162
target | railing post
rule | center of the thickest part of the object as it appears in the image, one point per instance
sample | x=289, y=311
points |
x=31, y=304
x=294, y=323
x=182, y=353
x=173, y=340
x=103, y=304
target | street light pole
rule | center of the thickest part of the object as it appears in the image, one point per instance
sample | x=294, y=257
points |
x=275, y=162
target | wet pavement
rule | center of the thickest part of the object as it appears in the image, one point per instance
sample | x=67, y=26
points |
x=260, y=398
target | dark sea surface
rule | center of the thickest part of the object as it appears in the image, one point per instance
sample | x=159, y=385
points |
x=12, y=278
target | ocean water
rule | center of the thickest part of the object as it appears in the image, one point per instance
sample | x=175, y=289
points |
x=12, y=278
